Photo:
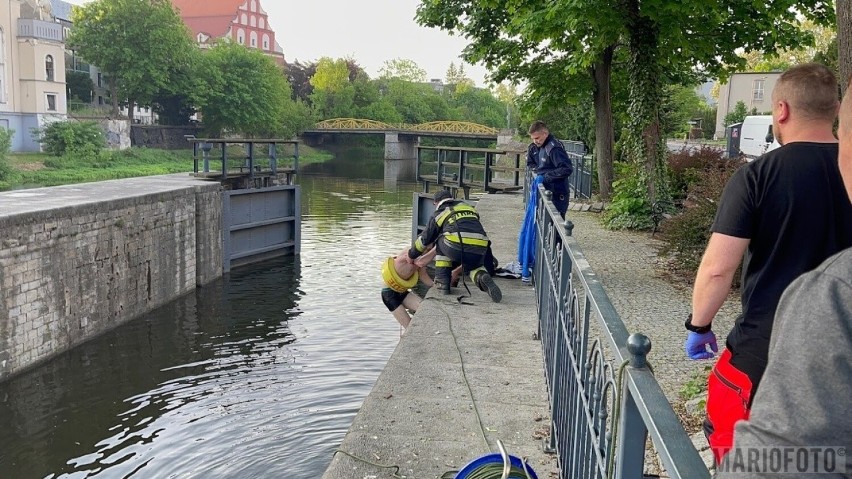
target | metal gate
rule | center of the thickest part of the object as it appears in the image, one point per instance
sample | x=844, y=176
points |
x=260, y=223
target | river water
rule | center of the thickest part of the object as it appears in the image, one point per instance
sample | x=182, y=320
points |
x=258, y=375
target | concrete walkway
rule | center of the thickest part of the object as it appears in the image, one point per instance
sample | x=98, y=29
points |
x=17, y=202
x=456, y=360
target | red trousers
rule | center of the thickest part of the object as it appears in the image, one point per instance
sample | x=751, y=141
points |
x=728, y=401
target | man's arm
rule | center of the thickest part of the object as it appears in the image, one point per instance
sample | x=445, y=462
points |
x=532, y=160
x=715, y=275
x=427, y=237
x=562, y=167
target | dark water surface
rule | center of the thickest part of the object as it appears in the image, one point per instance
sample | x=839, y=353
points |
x=257, y=375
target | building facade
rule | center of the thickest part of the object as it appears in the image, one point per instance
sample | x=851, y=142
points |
x=241, y=21
x=752, y=88
x=32, y=70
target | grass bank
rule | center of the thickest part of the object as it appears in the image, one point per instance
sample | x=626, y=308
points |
x=31, y=170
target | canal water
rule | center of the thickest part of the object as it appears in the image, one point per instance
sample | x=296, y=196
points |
x=258, y=375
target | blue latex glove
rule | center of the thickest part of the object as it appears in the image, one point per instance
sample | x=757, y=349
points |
x=696, y=345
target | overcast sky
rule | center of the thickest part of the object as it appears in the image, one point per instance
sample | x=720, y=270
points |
x=371, y=31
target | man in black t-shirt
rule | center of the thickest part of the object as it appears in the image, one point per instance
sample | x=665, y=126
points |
x=786, y=212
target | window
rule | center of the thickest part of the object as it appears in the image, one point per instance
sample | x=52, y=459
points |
x=51, y=102
x=253, y=21
x=241, y=36
x=100, y=80
x=244, y=19
x=757, y=90
x=253, y=5
x=254, y=39
x=262, y=23
x=48, y=67
x=100, y=100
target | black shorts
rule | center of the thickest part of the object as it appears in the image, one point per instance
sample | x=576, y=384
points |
x=392, y=299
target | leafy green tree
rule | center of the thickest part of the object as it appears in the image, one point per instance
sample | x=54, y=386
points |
x=176, y=102
x=403, y=69
x=680, y=105
x=332, y=75
x=507, y=93
x=566, y=47
x=480, y=106
x=738, y=114
x=829, y=58
x=136, y=43
x=80, y=86
x=245, y=92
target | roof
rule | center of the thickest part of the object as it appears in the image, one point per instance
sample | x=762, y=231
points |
x=213, y=17
x=61, y=10
x=207, y=8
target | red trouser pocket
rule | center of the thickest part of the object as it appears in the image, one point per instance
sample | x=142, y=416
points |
x=728, y=395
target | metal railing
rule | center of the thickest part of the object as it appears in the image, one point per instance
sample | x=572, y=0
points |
x=463, y=168
x=604, y=398
x=580, y=181
x=249, y=161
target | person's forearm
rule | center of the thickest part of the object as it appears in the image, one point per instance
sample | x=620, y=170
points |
x=711, y=291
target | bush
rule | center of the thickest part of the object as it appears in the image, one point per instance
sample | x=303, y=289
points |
x=5, y=146
x=686, y=235
x=685, y=166
x=629, y=208
x=63, y=137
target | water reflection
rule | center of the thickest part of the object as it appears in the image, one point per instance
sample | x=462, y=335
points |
x=256, y=375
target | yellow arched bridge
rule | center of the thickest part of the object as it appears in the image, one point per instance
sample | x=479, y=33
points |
x=449, y=129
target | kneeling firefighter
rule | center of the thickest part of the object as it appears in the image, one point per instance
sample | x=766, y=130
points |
x=459, y=237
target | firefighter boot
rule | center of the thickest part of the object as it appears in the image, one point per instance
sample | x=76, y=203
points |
x=486, y=283
x=442, y=279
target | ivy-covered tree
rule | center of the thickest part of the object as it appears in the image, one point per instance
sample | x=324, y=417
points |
x=844, y=41
x=563, y=45
x=136, y=43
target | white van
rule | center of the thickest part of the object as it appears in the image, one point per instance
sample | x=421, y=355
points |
x=756, y=136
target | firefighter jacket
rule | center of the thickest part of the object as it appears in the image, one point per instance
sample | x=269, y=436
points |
x=457, y=223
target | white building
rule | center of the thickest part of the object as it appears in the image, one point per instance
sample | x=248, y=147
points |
x=752, y=88
x=32, y=70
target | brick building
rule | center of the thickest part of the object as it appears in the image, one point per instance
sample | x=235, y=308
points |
x=242, y=21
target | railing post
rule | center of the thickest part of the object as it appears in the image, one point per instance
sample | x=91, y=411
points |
x=630, y=449
x=273, y=160
x=296, y=159
x=224, y=162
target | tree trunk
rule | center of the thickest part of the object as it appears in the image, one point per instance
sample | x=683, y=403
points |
x=131, y=107
x=645, y=142
x=113, y=93
x=604, y=134
x=844, y=41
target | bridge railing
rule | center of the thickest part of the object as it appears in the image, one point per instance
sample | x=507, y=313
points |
x=248, y=158
x=604, y=398
x=462, y=168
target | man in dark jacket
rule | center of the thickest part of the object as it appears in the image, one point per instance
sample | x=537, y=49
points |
x=459, y=237
x=547, y=157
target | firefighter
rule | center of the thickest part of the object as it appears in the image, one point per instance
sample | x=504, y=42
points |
x=459, y=238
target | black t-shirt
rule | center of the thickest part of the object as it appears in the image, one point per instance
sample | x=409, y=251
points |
x=792, y=204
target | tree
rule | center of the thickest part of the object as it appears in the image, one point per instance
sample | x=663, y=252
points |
x=245, y=92
x=561, y=42
x=844, y=41
x=136, y=43
x=738, y=114
x=299, y=75
x=331, y=76
x=507, y=93
x=80, y=86
x=403, y=69
x=177, y=102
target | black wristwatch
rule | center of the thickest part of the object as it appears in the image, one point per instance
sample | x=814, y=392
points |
x=695, y=329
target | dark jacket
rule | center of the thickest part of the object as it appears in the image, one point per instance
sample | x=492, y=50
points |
x=551, y=161
x=457, y=222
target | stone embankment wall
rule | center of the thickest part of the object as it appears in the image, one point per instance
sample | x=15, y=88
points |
x=163, y=137
x=70, y=273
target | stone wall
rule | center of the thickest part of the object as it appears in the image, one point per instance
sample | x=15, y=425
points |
x=163, y=137
x=71, y=273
